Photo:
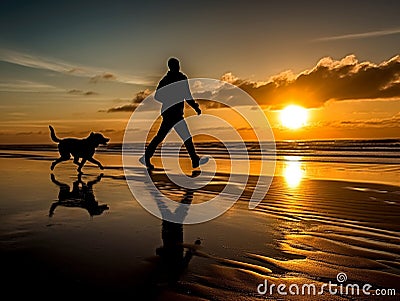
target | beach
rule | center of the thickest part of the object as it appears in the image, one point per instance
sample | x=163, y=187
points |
x=324, y=214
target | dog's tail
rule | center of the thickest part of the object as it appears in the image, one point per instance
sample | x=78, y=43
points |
x=53, y=135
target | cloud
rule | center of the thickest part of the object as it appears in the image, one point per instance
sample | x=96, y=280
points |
x=60, y=66
x=363, y=35
x=80, y=92
x=202, y=95
x=27, y=87
x=345, y=79
x=104, y=76
x=17, y=114
x=136, y=100
x=88, y=93
x=105, y=131
x=140, y=96
x=328, y=80
x=229, y=78
x=124, y=108
x=29, y=133
x=389, y=122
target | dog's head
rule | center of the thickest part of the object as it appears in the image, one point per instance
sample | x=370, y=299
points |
x=97, y=139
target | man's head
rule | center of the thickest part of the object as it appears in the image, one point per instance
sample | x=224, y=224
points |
x=173, y=64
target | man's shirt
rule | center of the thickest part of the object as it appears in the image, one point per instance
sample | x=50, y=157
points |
x=173, y=97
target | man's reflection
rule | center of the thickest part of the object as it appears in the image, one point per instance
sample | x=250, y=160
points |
x=174, y=255
x=81, y=196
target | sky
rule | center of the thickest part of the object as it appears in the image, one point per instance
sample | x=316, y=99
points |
x=83, y=65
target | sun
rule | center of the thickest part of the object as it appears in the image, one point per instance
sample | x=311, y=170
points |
x=294, y=117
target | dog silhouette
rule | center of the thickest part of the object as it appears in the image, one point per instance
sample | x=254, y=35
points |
x=78, y=148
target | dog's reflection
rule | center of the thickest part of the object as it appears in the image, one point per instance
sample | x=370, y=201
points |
x=81, y=196
x=174, y=255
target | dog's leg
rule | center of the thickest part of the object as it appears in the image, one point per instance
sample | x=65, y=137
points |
x=94, y=161
x=81, y=165
x=61, y=159
x=76, y=160
x=61, y=185
x=53, y=208
x=91, y=183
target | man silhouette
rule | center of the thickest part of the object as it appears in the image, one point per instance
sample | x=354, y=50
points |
x=172, y=98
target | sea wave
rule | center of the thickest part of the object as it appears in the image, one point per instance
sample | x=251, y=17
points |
x=377, y=151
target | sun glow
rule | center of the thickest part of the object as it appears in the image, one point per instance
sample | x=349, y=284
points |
x=293, y=171
x=294, y=117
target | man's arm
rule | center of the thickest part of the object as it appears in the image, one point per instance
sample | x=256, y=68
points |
x=161, y=84
x=194, y=105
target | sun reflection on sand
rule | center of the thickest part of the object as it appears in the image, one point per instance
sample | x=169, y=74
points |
x=293, y=171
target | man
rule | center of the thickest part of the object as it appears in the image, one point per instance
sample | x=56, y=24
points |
x=172, y=91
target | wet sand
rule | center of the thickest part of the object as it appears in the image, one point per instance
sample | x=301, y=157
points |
x=99, y=242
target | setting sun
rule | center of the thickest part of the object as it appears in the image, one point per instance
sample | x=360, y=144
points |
x=294, y=117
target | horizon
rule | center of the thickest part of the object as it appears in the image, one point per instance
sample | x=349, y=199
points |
x=382, y=139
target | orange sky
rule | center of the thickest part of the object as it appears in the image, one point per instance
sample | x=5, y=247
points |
x=352, y=112
x=88, y=74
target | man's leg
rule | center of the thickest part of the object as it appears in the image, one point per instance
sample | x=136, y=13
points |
x=191, y=150
x=165, y=127
x=183, y=132
x=196, y=160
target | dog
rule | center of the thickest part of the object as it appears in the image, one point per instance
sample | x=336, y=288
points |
x=78, y=148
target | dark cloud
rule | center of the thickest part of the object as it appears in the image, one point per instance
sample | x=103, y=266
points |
x=108, y=131
x=88, y=93
x=74, y=91
x=101, y=77
x=210, y=104
x=136, y=100
x=389, y=122
x=140, y=96
x=205, y=98
x=125, y=108
x=80, y=92
x=330, y=79
x=29, y=133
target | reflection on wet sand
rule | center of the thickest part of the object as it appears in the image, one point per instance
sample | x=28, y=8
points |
x=293, y=171
x=174, y=256
x=299, y=235
x=81, y=196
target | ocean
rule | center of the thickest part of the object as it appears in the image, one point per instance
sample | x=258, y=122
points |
x=377, y=151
